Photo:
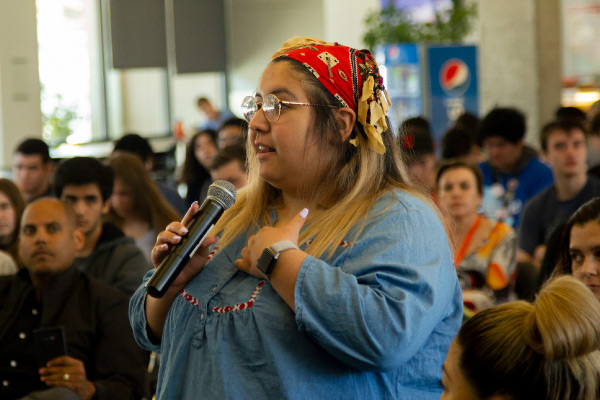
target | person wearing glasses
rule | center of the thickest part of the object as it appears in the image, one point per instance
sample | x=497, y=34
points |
x=332, y=275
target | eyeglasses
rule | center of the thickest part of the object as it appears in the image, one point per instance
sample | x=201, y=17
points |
x=271, y=106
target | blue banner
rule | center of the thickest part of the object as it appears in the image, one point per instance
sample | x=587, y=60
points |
x=453, y=85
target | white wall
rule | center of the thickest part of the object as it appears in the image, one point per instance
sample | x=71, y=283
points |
x=257, y=29
x=345, y=20
x=20, y=114
x=144, y=101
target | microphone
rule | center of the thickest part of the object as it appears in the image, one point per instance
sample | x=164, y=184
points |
x=221, y=196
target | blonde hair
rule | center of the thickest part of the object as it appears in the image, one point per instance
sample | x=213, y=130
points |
x=546, y=350
x=353, y=178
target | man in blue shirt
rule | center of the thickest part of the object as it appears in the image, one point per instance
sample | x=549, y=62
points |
x=513, y=173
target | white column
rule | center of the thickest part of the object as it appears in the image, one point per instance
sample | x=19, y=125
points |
x=520, y=58
x=20, y=114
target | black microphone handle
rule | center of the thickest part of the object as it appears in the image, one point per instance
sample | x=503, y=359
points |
x=208, y=214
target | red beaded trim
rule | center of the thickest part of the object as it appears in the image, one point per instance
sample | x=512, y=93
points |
x=343, y=243
x=188, y=297
x=241, y=306
x=214, y=251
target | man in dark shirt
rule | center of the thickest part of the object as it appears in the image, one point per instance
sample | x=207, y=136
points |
x=107, y=254
x=564, y=147
x=102, y=360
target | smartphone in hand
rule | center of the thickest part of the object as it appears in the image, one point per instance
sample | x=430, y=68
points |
x=50, y=342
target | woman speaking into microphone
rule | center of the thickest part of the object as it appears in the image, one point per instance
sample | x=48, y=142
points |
x=332, y=276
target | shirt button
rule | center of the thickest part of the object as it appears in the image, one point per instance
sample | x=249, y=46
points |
x=22, y=335
x=13, y=363
x=214, y=288
x=34, y=311
x=201, y=316
x=5, y=383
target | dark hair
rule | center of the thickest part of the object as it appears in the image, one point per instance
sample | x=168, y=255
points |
x=202, y=100
x=460, y=164
x=134, y=143
x=594, y=126
x=228, y=154
x=11, y=191
x=590, y=211
x=456, y=142
x=34, y=146
x=469, y=122
x=237, y=122
x=192, y=171
x=415, y=139
x=565, y=125
x=570, y=113
x=80, y=171
x=508, y=123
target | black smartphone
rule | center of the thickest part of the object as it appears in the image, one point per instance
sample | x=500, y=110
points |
x=49, y=342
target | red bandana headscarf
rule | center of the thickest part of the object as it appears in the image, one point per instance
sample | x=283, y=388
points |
x=351, y=75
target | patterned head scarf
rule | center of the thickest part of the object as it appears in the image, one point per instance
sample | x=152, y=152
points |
x=351, y=75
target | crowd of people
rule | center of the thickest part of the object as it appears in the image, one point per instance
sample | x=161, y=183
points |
x=360, y=260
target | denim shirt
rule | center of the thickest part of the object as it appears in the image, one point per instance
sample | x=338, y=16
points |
x=373, y=321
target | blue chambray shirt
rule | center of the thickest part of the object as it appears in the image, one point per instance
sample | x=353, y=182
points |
x=374, y=321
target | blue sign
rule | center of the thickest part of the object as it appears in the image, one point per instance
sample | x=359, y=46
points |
x=453, y=85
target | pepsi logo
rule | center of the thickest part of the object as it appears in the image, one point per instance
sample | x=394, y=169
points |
x=393, y=52
x=455, y=77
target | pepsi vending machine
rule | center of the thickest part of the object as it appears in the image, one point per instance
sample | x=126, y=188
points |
x=400, y=66
x=439, y=82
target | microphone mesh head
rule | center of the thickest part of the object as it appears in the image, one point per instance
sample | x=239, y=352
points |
x=223, y=192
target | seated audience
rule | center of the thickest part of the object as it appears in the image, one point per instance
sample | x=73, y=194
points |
x=229, y=165
x=572, y=114
x=140, y=146
x=12, y=205
x=468, y=122
x=8, y=265
x=102, y=360
x=523, y=351
x=485, y=251
x=513, y=173
x=32, y=169
x=195, y=172
x=580, y=246
x=231, y=132
x=594, y=146
x=136, y=206
x=107, y=254
x=593, y=110
x=458, y=144
x=214, y=117
x=418, y=151
x=564, y=148
x=552, y=254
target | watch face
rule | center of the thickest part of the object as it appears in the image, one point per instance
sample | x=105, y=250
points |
x=266, y=262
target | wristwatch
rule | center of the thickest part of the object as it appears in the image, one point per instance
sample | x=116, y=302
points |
x=269, y=256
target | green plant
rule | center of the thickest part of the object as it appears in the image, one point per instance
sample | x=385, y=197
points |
x=57, y=124
x=391, y=25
